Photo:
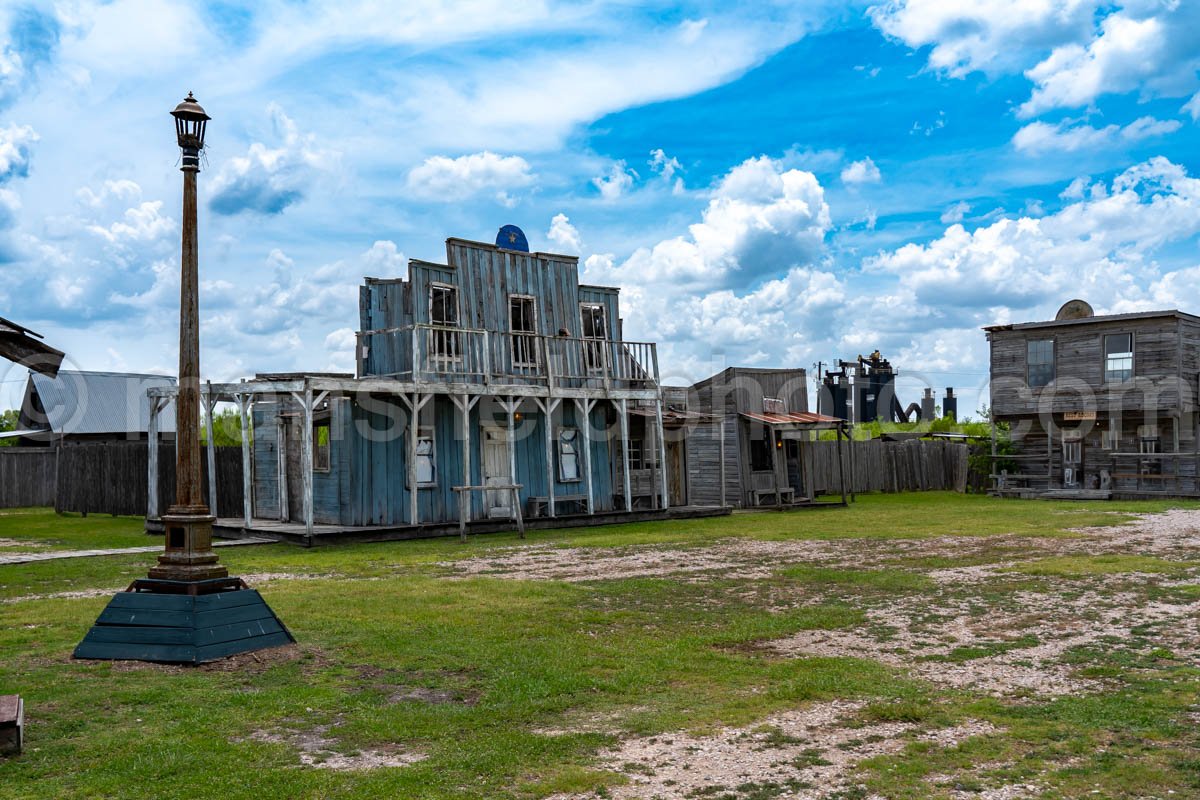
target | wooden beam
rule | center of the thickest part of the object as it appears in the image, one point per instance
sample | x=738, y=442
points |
x=583, y=408
x=306, y=459
x=415, y=404
x=281, y=436
x=662, y=445
x=247, y=471
x=722, y=456
x=624, y=406
x=212, y=450
x=465, y=403
x=156, y=405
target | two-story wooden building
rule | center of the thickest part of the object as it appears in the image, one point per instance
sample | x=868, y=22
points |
x=1097, y=406
x=495, y=370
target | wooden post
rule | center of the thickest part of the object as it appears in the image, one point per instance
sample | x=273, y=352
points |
x=465, y=403
x=625, y=454
x=516, y=501
x=511, y=406
x=414, y=418
x=281, y=431
x=156, y=405
x=775, y=466
x=548, y=410
x=1050, y=454
x=247, y=478
x=724, y=501
x=584, y=409
x=662, y=444
x=212, y=450
x=853, y=462
x=841, y=469
x=306, y=458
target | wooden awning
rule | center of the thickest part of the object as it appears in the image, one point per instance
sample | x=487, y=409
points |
x=23, y=346
x=797, y=420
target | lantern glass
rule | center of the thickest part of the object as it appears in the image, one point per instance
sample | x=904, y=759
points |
x=190, y=123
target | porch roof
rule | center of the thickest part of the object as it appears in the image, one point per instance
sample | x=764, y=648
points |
x=797, y=420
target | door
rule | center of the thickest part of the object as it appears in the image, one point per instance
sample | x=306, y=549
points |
x=795, y=469
x=496, y=472
x=676, y=474
x=1072, y=456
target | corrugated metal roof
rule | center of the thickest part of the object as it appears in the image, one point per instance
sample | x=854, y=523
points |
x=78, y=402
x=794, y=418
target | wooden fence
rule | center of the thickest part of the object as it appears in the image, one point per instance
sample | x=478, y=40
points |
x=107, y=478
x=26, y=477
x=111, y=478
x=878, y=466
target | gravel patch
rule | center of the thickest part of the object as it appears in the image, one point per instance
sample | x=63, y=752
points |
x=316, y=748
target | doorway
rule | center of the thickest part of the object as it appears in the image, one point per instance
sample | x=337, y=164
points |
x=676, y=474
x=1072, y=463
x=497, y=472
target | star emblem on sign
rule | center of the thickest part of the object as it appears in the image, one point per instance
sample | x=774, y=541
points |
x=512, y=236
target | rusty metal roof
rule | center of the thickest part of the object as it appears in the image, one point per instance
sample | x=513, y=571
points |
x=808, y=418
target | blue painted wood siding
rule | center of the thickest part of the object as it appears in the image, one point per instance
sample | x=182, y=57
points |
x=485, y=277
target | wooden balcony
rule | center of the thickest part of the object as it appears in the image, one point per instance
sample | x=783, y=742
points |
x=430, y=354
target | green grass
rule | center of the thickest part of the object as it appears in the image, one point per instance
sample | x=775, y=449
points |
x=1082, y=566
x=40, y=529
x=507, y=662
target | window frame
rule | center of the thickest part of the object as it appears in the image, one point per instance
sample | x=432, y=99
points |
x=526, y=338
x=440, y=338
x=1105, y=356
x=560, y=448
x=426, y=433
x=1053, y=363
x=320, y=464
x=595, y=356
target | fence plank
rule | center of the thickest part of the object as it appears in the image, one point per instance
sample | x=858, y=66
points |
x=910, y=466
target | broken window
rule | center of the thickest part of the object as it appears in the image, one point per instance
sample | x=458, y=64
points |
x=1118, y=357
x=443, y=315
x=426, y=460
x=568, y=455
x=595, y=332
x=320, y=441
x=522, y=321
x=1039, y=362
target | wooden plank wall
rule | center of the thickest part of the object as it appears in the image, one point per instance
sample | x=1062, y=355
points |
x=110, y=478
x=26, y=477
x=913, y=466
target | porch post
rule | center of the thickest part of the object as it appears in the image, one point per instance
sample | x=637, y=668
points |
x=583, y=407
x=512, y=406
x=212, y=450
x=156, y=405
x=548, y=410
x=284, y=513
x=625, y=454
x=306, y=460
x=414, y=418
x=247, y=477
x=841, y=469
x=722, y=456
x=775, y=466
x=662, y=450
x=464, y=498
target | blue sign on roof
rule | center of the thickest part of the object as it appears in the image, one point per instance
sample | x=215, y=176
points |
x=511, y=237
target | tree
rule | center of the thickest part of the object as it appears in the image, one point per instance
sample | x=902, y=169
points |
x=8, y=422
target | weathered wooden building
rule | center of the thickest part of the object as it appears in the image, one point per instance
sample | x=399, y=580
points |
x=742, y=438
x=490, y=384
x=1097, y=406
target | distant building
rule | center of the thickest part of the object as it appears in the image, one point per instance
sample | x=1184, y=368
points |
x=77, y=406
x=1098, y=406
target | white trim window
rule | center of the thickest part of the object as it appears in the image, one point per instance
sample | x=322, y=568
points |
x=1118, y=357
x=522, y=324
x=568, y=455
x=444, y=345
x=593, y=325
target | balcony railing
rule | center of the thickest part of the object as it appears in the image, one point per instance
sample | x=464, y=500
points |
x=431, y=353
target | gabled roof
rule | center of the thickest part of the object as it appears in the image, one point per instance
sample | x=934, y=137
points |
x=77, y=402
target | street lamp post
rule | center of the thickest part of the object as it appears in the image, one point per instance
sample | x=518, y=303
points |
x=188, y=553
x=189, y=610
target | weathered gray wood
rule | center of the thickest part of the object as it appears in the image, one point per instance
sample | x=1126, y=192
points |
x=209, y=402
x=623, y=405
x=245, y=426
x=662, y=447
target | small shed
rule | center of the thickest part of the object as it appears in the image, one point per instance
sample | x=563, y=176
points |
x=77, y=406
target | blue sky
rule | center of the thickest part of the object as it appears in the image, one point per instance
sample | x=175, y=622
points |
x=769, y=183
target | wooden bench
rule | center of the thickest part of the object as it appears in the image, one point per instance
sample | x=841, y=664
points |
x=540, y=506
x=756, y=495
x=12, y=723
x=464, y=504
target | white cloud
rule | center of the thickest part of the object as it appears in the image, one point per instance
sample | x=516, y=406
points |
x=956, y=212
x=122, y=190
x=1101, y=247
x=988, y=35
x=1075, y=188
x=691, y=29
x=15, y=143
x=269, y=179
x=761, y=220
x=1192, y=107
x=564, y=234
x=447, y=179
x=618, y=180
x=1117, y=60
x=666, y=167
x=142, y=223
x=1039, y=137
x=863, y=171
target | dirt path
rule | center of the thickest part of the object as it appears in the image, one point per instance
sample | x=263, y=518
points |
x=51, y=555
